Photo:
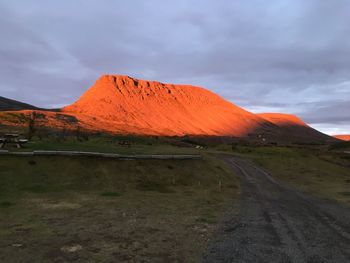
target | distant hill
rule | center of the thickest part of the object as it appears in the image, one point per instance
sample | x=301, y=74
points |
x=14, y=105
x=294, y=128
x=344, y=137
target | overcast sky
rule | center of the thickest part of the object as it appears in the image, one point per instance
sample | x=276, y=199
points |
x=289, y=56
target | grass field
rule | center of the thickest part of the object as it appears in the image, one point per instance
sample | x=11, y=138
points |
x=87, y=208
x=322, y=173
x=108, y=145
x=58, y=209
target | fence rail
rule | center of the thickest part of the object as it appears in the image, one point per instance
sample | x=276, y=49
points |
x=106, y=155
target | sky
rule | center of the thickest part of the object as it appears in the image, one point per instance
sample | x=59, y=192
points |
x=290, y=56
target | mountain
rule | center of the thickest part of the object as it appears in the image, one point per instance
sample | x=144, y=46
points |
x=148, y=107
x=123, y=105
x=344, y=137
x=295, y=129
x=283, y=120
x=13, y=105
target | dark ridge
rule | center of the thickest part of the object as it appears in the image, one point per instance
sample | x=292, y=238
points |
x=10, y=105
x=14, y=105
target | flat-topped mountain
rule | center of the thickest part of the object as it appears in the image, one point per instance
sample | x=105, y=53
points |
x=124, y=105
x=163, y=109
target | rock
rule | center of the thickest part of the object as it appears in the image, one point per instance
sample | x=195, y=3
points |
x=72, y=248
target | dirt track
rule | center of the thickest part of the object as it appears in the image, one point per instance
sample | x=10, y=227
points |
x=277, y=223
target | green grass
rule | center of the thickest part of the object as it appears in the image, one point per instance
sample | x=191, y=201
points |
x=107, y=145
x=322, y=173
x=5, y=204
x=136, y=209
x=111, y=194
x=113, y=209
x=340, y=146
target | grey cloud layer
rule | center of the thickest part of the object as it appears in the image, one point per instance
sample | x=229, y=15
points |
x=289, y=56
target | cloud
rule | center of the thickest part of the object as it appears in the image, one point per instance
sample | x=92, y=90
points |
x=289, y=56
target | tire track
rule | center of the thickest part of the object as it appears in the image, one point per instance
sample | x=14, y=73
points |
x=277, y=223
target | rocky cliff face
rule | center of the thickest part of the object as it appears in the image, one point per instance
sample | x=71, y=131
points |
x=163, y=109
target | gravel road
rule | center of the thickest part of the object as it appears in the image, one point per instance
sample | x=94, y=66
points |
x=276, y=223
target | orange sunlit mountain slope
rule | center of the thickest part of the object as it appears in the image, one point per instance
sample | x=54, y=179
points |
x=148, y=107
x=344, y=137
x=282, y=119
x=124, y=105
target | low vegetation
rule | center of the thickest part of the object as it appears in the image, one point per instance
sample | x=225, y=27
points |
x=64, y=140
x=321, y=172
x=94, y=209
x=88, y=208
